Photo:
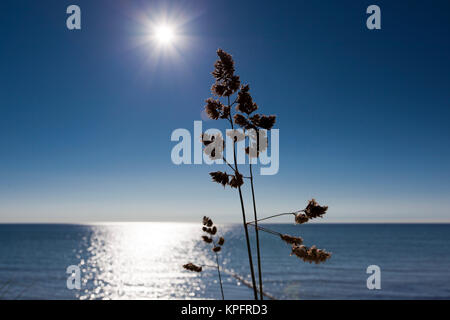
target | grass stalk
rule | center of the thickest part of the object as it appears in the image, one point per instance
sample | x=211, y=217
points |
x=218, y=271
x=257, y=235
x=244, y=220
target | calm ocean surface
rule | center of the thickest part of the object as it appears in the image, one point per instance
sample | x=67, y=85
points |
x=144, y=261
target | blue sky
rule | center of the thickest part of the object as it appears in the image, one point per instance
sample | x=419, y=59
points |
x=86, y=116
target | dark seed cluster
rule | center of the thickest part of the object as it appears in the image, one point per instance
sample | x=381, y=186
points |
x=291, y=240
x=310, y=254
x=211, y=230
x=312, y=210
x=226, y=84
x=192, y=267
x=233, y=180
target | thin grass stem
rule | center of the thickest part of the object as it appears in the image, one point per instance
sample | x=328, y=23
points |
x=270, y=217
x=268, y=230
x=244, y=220
x=257, y=235
x=218, y=271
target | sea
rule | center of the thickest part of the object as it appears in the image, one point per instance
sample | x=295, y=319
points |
x=145, y=261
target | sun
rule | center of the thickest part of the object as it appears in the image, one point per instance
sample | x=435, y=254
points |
x=164, y=34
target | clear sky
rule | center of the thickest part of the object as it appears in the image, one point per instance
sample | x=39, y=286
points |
x=86, y=116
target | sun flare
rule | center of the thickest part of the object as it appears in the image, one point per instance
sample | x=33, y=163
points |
x=162, y=37
x=164, y=34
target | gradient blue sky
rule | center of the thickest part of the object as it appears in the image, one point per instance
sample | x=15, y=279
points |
x=86, y=116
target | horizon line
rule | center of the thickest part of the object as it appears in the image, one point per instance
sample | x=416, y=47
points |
x=195, y=222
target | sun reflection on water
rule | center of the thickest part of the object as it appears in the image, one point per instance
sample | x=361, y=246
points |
x=140, y=261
